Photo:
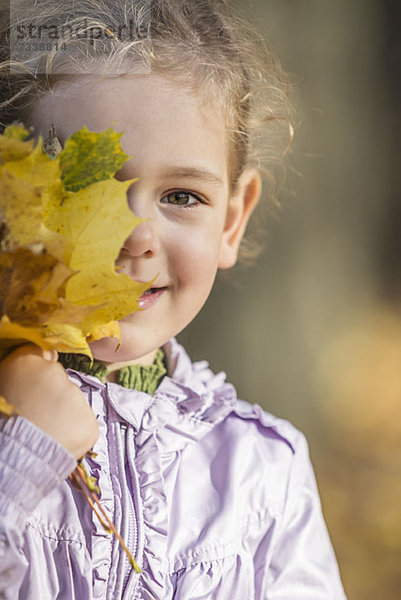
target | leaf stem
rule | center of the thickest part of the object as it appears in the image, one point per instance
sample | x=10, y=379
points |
x=76, y=480
x=79, y=477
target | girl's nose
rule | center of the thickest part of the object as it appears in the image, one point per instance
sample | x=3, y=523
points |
x=143, y=240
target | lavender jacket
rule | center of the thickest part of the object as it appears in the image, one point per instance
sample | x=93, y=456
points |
x=214, y=497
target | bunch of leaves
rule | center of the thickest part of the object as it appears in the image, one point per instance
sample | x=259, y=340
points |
x=63, y=222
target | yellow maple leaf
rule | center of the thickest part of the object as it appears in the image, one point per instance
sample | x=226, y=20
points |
x=110, y=329
x=63, y=338
x=25, y=186
x=6, y=408
x=31, y=286
x=36, y=168
x=96, y=247
x=20, y=231
x=31, y=290
x=13, y=145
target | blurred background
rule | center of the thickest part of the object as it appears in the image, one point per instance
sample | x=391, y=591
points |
x=312, y=332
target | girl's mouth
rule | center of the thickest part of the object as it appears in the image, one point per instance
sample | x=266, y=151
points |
x=151, y=296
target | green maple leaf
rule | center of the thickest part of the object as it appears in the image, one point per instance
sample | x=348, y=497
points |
x=89, y=157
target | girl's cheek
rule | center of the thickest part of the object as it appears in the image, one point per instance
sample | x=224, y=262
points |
x=201, y=241
x=194, y=255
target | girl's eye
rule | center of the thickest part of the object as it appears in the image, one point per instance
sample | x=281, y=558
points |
x=185, y=199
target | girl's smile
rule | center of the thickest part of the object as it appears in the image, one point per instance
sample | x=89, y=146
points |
x=179, y=154
x=151, y=296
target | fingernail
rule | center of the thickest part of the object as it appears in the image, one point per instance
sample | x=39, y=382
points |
x=50, y=355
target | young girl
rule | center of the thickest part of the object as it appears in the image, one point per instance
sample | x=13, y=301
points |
x=214, y=497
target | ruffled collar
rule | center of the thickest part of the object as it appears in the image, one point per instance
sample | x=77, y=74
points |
x=143, y=378
x=190, y=392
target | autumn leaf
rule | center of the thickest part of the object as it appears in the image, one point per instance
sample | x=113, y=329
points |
x=16, y=131
x=24, y=230
x=95, y=248
x=64, y=221
x=36, y=168
x=63, y=338
x=89, y=157
x=12, y=144
x=31, y=286
x=25, y=186
x=32, y=304
x=6, y=408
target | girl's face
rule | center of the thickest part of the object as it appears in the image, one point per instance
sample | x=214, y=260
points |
x=193, y=227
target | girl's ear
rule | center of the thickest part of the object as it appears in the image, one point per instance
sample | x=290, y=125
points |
x=240, y=208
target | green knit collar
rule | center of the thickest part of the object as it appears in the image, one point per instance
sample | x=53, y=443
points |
x=143, y=378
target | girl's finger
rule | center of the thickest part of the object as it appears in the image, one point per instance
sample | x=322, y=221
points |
x=51, y=355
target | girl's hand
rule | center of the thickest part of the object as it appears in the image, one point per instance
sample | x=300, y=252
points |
x=37, y=385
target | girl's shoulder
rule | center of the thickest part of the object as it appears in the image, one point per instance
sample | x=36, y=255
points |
x=273, y=430
x=273, y=448
x=260, y=463
x=232, y=422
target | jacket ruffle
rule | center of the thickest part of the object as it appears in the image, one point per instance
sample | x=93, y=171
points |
x=177, y=416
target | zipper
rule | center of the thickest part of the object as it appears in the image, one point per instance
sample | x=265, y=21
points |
x=131, y=540
x=130, y=578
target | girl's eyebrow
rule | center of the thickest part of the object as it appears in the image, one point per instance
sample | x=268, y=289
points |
x=192, y=173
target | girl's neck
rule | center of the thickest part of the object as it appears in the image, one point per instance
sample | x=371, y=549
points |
x=114, y=367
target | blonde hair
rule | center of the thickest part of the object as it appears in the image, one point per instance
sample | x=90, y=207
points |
x=202, y=44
